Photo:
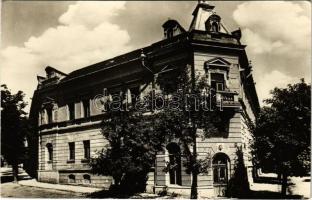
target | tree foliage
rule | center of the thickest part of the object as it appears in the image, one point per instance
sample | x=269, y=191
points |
x=130, y=152
x=13, y=127
x=282, y=132
x=192, y=107
x=135, y=137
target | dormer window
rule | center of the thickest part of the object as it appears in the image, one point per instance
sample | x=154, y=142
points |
x=172, y=28
x=169, y=33
x=214, y=27
x=48, y=113
x=213, y=23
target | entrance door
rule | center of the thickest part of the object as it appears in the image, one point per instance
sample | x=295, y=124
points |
x=220, y=166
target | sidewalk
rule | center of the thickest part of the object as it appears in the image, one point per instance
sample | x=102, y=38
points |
x=26, y=180
x=71, y=188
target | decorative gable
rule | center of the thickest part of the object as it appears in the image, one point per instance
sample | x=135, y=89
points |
x=217, y=62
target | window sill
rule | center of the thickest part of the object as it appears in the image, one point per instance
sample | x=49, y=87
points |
x=85, y=160
x=70, y=161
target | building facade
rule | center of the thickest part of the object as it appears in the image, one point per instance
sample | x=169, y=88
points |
x=68, y=116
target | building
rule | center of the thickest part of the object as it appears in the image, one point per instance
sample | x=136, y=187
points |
x=69, y=118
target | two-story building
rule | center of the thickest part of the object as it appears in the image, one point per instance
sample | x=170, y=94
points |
x=69, y=118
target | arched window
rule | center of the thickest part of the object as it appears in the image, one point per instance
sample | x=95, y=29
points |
x=86, y=178
x=221, y=164
x=50, y=151
x=71, y=178
x=175, y=163
x=214, y=27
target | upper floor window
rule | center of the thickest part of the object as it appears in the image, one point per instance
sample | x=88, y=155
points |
x=86, y=108
x=86, y=147
x=71, y=146
x=49, y=114
x=135, y=94
x=71, y=110
x=217, y=71
x=217, y=81
x=50, y=151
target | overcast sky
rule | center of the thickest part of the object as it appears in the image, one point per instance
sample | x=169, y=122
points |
x=71, y=35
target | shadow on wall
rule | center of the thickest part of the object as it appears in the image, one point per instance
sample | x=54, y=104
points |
x=131, y=184
x=238, y=186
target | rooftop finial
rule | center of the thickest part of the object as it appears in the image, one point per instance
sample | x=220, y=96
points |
x=202, y=2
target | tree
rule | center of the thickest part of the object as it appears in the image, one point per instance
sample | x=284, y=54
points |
x=131, y=150
x=191, y=106
x=136, y=135
x=282, y=132
x=13, y=128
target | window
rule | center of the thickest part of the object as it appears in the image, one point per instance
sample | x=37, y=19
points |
x=217, y=81
x=86, y=147
x=220, y=168
x=86, y=178
x=169, y=33
x=219, y=87
x=135, y=94
x=49, y=113
x=86, y=108
x=71, y=178
x=71, y=109
x=71, y=146
x=175, y=163
x=50, y=151
x=214, y=27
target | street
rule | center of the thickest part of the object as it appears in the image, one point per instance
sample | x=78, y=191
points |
x=299, y=187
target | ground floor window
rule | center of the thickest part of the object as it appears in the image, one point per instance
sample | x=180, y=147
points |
x=86, y=178
x=71, y=178
x=174, y=163
x=220, y=168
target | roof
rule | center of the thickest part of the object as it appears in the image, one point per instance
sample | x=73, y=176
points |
x=106, y=64
x=50, y=69
x=171, y=23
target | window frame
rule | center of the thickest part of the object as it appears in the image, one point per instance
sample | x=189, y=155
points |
x=71, y=151
x=49, y=147
x=86, y=108
x=86, y=149
x=71, y=111
x=175, y=159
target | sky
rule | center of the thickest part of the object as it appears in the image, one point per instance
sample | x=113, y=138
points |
x=69, y=35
